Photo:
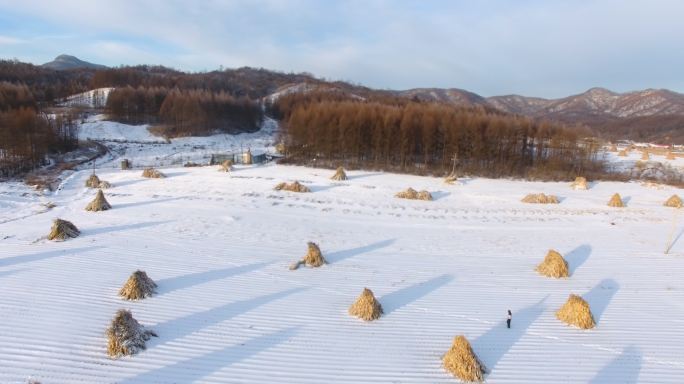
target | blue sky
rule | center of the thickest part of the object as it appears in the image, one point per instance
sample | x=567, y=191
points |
x=531, y=47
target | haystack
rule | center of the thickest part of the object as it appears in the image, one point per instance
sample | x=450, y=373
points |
x=62, y=230
x=540, y=198
x=125, y=336
x=645, y=156
x=339, y=174
x=554, y=265
x=104, y=185
x=622, y=153
x=226, y=166
x=93, y=181
x=576, y=312
x=613, y=148
x=152, y=173
x=674, y=201
x=366, y=306
x=138, y=286
x=670, y=156
x=99, y=203
x=412, y=194
x=616, y=201
x=450, y=179
x=580, y=183
x=292, y=187
x=462, y=362
x=313, y=257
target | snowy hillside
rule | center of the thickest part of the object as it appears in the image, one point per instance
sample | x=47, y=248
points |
x=228, y=310
x=96, y=98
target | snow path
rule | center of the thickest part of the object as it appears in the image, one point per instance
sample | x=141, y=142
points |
x=228, y=310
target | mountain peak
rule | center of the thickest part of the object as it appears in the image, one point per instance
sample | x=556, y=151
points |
x=65, y=62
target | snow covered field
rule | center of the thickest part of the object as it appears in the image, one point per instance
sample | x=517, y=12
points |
x=228, y=310
x=136, y=143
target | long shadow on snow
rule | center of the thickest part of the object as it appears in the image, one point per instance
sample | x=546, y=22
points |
x=196, y=368
x=498, y=340
x=577, y=257
x=405, y=296
x=336, y=257
x=186, y=281
x=43, y=255
x=126, y=227
x=355, y=177
x=186, y=325
x=148, y=202
x=624, y=369
x=128, y=182
x=439, y=195
x=600, y=296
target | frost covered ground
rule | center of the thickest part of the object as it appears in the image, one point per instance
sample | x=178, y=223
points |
x=228, y=310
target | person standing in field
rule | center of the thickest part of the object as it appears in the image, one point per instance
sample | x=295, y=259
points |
x=509, y=318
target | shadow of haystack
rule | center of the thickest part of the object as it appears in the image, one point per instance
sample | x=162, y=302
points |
x=493, y=345
x=405, y=296
x=577, y=257
x=196, y=368
x=624, y=369
x=186, y=325
x=338, y=256
x=600, y=296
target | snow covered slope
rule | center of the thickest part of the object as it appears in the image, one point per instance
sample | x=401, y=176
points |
x=228, y=310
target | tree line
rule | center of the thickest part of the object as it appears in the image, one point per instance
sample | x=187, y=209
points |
x=430, y=138
x=184, y=112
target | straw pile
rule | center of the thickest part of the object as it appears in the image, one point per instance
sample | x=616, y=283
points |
x=104, y=185
x=366, y=306
x=462, y=362
x=670, y=156
x=412, y=194
x=125, y=336
x=576, y=312
x=191, y=164
x=62, y=230
x=622, y=153
x=451, y=179
x=138, y=286
x=645, y=156
x=152, y=173
x=554, y=265
x=580, y=183
x=313, y=257
x=339, y=174
x=93, y=181
x=616, y=201
x=540, y=198
x=292, y=187
x=226, y=166
x=674, y=201
x=613, y=148
x=99, y=203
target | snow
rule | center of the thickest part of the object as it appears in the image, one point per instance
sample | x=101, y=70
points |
x=136, y=143
x=97, y=128
x=95, y=98
x=229, y=310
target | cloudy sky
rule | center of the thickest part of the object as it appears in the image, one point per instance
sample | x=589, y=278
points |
x=541, y=48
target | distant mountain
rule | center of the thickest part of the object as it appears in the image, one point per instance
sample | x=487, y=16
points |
x=650, y=114
x=451, y=95
x=65, y=62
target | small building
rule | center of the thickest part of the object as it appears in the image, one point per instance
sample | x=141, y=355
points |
x=240, y=158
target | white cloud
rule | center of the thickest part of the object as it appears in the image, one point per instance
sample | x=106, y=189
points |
x=545, y=48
